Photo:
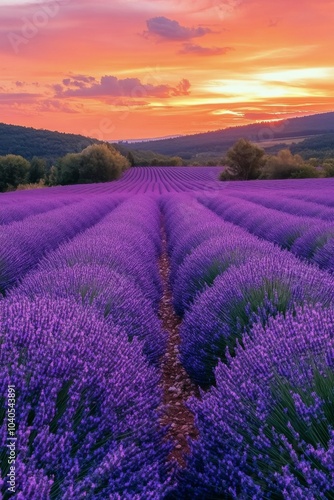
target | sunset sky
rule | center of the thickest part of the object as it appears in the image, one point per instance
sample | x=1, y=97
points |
x=124, y=69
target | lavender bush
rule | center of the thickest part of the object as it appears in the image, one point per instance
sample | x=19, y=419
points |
x=211, y=259
x=324, y=256
x=266, y=429
x=117, y=298
x=278, y=201
x=240, y=297
x=121, y=241
x=12, y=211
x=298, y=234
x=86, y=414
x=23, y=243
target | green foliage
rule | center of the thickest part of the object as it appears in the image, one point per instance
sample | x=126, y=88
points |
x=53, y=176
x=130, y=158
x=305, y=172
x=216, y=143
x=96, y=163
x=226, y=175
x=245, y=160
x=13, y=171
x=101, y=163
x=285, y=165
x=320, y=146
x=37, y=170
x=328, y=167
x=30, y=142
x=176, y=161
x=69, y=168
x=148, y=158
x=37, y=185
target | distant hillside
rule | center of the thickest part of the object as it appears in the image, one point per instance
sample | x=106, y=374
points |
x=217, y=142
x=321, y=146
x=29, y=142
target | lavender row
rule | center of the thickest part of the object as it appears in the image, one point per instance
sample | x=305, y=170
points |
x=107, y=402
x=15, y=210
x=266, y=428
x=322, y=196
x=226, y=280
x=295, y=206
x=306, y=237
x=23, y=243
x=202, y=246
x=113, y=268
x=87, y=419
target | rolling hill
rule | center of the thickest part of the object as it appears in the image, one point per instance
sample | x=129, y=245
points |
x=29, y=142
x=269, y=134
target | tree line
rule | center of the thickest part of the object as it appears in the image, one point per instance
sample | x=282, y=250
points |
x=96, y=163
x=247, y=161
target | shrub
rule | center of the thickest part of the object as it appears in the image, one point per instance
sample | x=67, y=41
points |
x=328, y=167
x=285, y=165
x=36, y=185
x=36, y=170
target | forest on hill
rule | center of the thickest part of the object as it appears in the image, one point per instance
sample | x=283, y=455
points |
x=29, y=142
x=218, y=142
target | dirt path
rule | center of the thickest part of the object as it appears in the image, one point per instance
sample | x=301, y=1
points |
x=176, y=384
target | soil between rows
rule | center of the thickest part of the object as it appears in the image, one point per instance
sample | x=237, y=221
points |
x=176, y=384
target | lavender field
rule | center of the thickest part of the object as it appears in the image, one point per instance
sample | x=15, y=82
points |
x=168, y=336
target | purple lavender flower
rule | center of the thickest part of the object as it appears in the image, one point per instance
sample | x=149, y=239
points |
x=87, y=403
x=116, y=296
x=266, y=429
x=23, y=243
x=240, y=297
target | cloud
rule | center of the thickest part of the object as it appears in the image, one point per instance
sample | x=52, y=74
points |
x=78, y=80
x=111, y=86
x=167, y=29
x=190, y=48
x=20, y=97
x=54, y=105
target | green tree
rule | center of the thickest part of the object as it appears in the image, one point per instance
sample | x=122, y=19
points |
x=36, y=170
x=154, y=162
x=53, y=176
x=328, y=167
x=176, y=161
x=245, y=160
x=285, y=165
x=131, y=159
x=13, y=171
x=69, y=168
x=101, y=163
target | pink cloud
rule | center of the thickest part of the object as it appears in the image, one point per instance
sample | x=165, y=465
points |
x=190, y=48
x=167, y=29
x=127, y=87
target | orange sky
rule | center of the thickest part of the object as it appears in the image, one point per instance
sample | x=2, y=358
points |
x=126, y=69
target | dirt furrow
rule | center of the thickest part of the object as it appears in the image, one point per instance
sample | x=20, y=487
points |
x=177, y=386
